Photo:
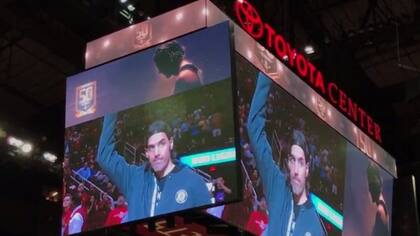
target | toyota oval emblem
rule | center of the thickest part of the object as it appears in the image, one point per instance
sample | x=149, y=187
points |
x=249, y=19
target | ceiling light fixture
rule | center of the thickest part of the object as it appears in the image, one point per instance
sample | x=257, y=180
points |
x=14, y=141
x=131, y=7
x=49, y=157
x=309, y=49
x=26, y=148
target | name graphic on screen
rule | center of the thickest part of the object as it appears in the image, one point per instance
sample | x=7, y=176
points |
x=85, y=99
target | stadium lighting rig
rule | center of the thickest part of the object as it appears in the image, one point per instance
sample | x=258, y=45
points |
x=24, y=147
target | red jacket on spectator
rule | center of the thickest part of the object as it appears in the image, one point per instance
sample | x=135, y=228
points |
x=115, y=215
x=65, y=219
x=257, y=222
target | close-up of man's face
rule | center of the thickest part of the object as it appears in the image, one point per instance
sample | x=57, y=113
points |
x=298, y=170
x=158, y=151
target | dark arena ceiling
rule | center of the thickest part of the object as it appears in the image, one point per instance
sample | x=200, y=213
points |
x=370, y=48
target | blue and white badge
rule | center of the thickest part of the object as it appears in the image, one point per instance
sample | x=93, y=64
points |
x=181, y=196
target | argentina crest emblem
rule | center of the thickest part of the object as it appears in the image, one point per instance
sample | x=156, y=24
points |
x=86, y=99
x=181, y=196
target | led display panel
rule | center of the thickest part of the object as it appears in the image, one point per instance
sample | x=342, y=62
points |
x=293, y=163
x=299, y=173
x=368, y=196
x=151, y=134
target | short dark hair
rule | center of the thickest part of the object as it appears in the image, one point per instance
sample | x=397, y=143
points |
x=374, y=181
x=301, y=142
x=168, y=58
x=159, y=126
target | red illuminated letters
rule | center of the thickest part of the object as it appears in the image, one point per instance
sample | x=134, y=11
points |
x=280, y=46
x=377, y=132
x=369, y=124
x=319, y=82
x=301, y=65
x=362, y=114
x=270, y=34
x=250, y=21
x=332, y=86
x=352, y=109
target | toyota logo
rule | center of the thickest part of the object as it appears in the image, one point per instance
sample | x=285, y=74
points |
x=249, y=19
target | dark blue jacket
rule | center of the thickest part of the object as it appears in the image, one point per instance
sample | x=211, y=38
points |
x=276, y=189
x=183, y=187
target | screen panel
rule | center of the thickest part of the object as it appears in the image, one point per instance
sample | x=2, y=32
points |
x=99, y=90
x=368, y=196
x=261, y=58
x=159, y=139
x=286, y=121
x=340, y=182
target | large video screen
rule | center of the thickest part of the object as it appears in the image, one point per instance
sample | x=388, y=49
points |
x=149, y=134
x=300, y=176
x=293, y=163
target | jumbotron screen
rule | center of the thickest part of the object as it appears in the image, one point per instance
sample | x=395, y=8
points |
x=148, y=134
x=301, y=177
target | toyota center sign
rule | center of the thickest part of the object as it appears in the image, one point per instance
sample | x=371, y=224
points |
x=250, y=20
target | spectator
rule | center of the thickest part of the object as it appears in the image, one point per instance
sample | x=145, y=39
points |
x=258, y=219
x=67, y=210
x=116, y=215
x=85, y=171
x=221, y=189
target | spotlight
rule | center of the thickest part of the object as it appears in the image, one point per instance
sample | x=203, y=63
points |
x=26, y=148
x=131, y=7
x=14, y=141
x=49, y=157
x=52, y=195
x=309, y=49
x=123, y=1
x=241, y=1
